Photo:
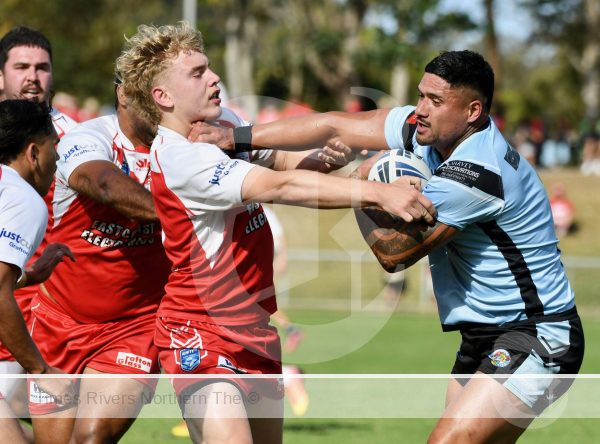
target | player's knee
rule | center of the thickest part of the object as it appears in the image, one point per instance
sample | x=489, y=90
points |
x=94, y=432
x=452, y=435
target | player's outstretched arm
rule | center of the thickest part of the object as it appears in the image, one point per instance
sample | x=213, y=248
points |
x=104, y=182
x=315, y=190
x=331, y=157
x=363, y=130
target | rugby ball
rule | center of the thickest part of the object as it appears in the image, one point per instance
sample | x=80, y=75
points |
x=396, y=163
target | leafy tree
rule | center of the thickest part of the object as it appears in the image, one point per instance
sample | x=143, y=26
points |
x=420, y=32
x=571, y=28
x=86, y=36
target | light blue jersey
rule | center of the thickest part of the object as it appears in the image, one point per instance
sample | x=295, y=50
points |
x=504, y=265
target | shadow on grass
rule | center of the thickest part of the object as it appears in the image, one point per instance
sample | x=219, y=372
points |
x=307, y=426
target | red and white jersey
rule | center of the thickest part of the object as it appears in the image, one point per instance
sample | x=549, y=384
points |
x=22, y=218
x=121, y=266
x=221, y=249
x=62, y=123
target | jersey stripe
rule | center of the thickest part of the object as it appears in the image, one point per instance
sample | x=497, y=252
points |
x=517, y=265
x=408, y=131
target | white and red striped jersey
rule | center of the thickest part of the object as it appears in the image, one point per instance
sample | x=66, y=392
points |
x=121, y=266
x=221, y=249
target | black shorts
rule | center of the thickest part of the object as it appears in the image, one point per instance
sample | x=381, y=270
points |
x=545, y=345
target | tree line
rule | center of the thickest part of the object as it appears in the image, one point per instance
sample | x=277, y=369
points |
x=320, y=51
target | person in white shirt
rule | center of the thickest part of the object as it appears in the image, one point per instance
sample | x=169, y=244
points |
x=27, y=165
x=26, y=73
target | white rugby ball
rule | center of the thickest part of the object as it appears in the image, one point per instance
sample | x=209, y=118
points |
x=396, y=163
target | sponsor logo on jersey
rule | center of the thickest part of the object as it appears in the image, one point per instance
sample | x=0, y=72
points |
x=16, y=241
x=256, y=222
x=116, y=235
x=142, y=164
x=189, y=359
x=223, y=362
x=74, y=151
x=222, y=170
x=134, y=361
x=38, y=396
x=500, y=358
x=472, y=175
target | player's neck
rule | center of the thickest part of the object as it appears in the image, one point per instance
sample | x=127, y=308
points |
x=471, y=129
x=175, y=124
x=137, y=135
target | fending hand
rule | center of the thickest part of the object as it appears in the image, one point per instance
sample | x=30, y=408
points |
x=362, y=171
x=404, y=199
x=336, y=154
x=212, y=132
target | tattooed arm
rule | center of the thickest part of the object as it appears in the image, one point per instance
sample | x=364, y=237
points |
x=396, y=243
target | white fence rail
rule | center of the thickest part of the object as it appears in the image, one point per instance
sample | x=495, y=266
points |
x=356, y=257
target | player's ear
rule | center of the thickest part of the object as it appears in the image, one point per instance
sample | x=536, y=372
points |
x=475, y=110
x=162, y=97
x=32, y=153
x=1, y=80
x=121, y=97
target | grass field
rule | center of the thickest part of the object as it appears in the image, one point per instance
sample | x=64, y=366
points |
x=404, y=344
x=406, y=340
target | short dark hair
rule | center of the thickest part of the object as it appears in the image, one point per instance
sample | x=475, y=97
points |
x=22, y=36
x=21, y=123
x=465, y=68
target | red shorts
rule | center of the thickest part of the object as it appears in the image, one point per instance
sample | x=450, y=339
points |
x=23, y=296
x=120, y=347
x=191, y=347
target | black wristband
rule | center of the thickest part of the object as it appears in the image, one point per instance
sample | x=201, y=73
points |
x=242, y=139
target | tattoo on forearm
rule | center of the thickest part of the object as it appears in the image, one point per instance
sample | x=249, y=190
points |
x=396, y=243
x=407, y=246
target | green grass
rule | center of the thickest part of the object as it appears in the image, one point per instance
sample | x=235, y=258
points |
x=402, y=344
x=407, y=340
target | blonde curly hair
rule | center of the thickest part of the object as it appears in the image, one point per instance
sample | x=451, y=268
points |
x=146, y=56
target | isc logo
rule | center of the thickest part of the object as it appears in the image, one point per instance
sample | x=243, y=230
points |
x=142, y=164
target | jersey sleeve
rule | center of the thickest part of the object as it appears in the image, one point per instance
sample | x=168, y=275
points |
x=262, y=157
x=22, y=226
x=400, y=125
x=78, y=147
x=203, y=176
x=464, y=193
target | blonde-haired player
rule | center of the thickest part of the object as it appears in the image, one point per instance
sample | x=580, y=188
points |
x=214, y=318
